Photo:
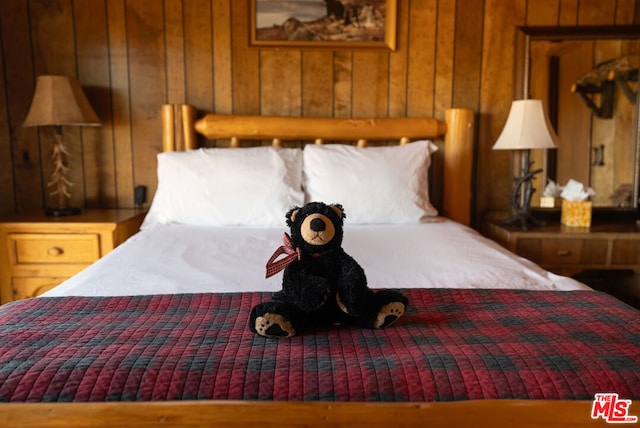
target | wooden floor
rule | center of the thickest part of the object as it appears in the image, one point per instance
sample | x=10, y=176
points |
x=625, y=285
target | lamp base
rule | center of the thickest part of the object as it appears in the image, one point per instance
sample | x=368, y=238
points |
x=62, y=212
x=521, y=197
x=524, y=220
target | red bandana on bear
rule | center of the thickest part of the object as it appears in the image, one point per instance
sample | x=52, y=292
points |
x=274, y=266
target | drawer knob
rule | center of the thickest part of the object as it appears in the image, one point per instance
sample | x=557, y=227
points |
x=563, y=253
x=54, y=251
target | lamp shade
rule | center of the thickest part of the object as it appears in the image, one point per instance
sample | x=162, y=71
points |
x=527, y=127
x=59, y=100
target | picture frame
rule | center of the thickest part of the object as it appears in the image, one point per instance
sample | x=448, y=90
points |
x=323, y=24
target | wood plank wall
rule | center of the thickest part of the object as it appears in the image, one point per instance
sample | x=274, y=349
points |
x=131, y=56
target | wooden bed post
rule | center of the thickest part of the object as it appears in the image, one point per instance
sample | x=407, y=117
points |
x=178, y=133
x=458, y=165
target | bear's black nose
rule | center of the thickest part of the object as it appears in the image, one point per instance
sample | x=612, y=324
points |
x=318, y=225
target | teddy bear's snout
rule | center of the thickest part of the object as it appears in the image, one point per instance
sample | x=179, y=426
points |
x=318, y=225
x=317, y=229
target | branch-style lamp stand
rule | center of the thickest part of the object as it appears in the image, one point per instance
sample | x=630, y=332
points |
x=59, y=183
x=521, y=195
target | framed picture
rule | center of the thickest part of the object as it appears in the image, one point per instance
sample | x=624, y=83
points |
x=324, y=23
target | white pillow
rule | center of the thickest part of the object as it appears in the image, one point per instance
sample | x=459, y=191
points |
x=386, y=184
x=220, y=187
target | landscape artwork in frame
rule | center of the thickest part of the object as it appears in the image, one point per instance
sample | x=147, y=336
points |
x=324, y=23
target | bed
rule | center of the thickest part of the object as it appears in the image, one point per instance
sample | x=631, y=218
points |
x=155, y=333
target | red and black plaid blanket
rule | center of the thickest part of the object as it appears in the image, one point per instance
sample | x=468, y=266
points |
x=450, y=345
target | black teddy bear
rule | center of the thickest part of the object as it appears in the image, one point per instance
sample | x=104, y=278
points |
x=321, y=284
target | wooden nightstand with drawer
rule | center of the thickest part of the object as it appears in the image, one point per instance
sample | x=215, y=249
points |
x=569, y=250
x=39, y=252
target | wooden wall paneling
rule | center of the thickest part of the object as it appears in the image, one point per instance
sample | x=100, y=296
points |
x=342, y=83
x=93, y=73
x=120, y=95
x=398, y=64
x=317, y=83
x=147, y=87
x=542, y=12
x=568, y=14
x=245, y=63
x=625, y=11
x=6, y=174
x=222, y=48
x=467, y=54
x=422, y=47
x=7, y=193
x=53, y=47
x=280, y=82
x=445, y=44
x=175, y=40
x=198, y=53
x=596, y=12
x=493, y=181
x=20, y=84
x=53, y=43
x=370, y=83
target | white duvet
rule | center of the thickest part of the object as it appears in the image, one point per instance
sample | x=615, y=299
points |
x=165, y=259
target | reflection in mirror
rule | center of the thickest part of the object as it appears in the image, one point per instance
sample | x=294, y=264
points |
x=588, y=81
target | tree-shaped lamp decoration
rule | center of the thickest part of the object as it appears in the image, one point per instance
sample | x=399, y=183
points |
x=59, y=101
x=527, y=128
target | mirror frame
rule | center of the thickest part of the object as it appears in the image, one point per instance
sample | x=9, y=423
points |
x=527, y=34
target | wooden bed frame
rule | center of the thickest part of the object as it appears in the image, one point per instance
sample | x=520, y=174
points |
x=179, y=133
x=453, y=181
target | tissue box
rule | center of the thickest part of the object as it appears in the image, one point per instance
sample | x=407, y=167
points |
x=576, y=213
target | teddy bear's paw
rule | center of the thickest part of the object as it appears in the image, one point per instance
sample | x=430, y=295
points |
x=274, y=325
x=341, y=305
x=388, y=314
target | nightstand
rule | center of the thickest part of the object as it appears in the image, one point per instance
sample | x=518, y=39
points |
x=39, y=252
x=569, y=250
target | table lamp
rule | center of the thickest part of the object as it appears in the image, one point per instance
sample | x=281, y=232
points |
x=58, y=101
x=527, y=128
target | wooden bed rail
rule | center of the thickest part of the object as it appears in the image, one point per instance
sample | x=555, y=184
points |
x=191, y=414
x=180, y=127
x=215, y=126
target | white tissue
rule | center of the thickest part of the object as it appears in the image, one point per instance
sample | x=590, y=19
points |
x=552, y=190
x=575, y=191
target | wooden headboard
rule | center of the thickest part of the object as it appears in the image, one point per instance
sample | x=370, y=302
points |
x=454, y=181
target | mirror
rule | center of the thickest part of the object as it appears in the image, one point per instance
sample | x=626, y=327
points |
x=587, y=78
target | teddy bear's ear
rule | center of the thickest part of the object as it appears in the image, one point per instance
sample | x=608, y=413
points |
x=291, y=215
x=338, y=209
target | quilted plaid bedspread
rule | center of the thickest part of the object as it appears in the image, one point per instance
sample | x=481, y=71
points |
x=451, y=345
